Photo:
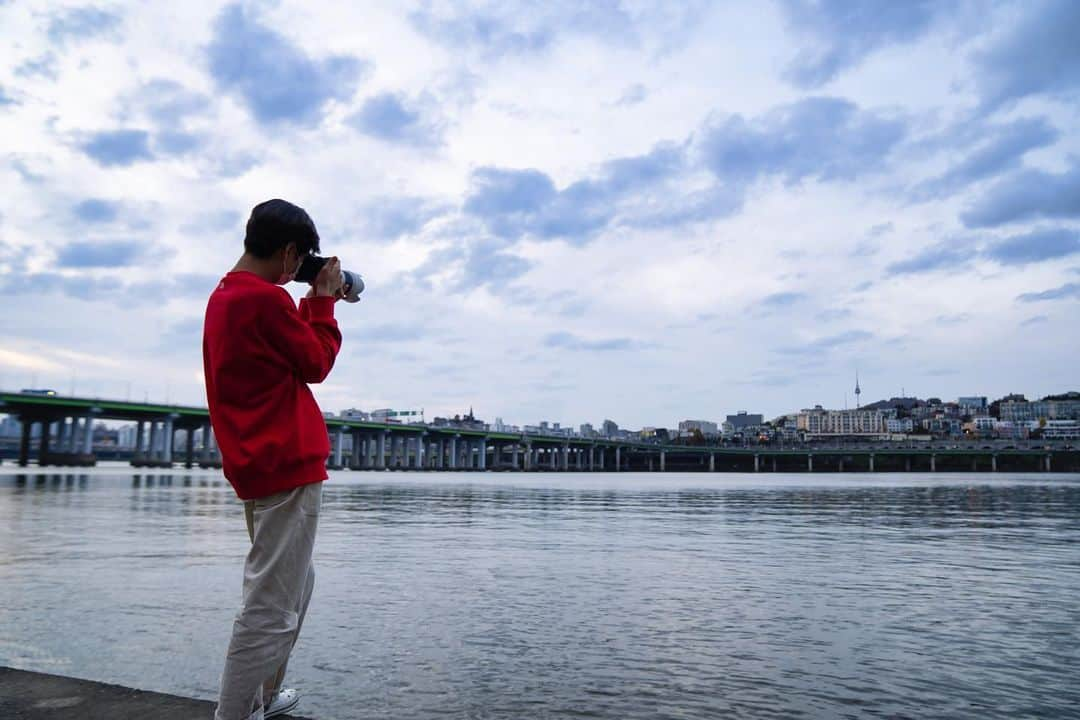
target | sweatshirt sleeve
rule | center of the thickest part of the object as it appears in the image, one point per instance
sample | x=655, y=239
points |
x=309, y=338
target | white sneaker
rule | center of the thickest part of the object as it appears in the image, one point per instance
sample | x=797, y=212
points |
x=285, y=701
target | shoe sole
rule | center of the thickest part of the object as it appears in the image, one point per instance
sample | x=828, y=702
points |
x=281, y=711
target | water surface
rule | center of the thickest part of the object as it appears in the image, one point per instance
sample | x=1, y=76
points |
x=570, y=595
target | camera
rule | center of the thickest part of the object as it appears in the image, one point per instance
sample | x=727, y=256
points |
x=351, y=283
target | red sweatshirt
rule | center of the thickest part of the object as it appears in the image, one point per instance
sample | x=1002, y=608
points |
x=259, y=354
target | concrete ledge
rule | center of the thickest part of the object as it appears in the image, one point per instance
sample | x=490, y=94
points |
x=37, y=696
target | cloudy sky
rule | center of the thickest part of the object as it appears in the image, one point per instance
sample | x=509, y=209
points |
x=644, y=211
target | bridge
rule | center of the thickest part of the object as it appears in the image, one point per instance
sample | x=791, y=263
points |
x=65, y=437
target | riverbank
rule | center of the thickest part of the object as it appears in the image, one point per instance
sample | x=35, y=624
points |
x=37, y=696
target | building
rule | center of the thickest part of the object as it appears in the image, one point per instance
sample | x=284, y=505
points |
x=609, y=429
x=818, y=422
x=1061, y=430
x=654, y=434
x=1014, y=430
x=706, y=428
x=1024, y=411
x=586, y=430
x=389, y=415
x=744, y=420
x=10, y=427
x=355, y=414
x=943, y=426
x=127, y=436
x=896, y=426
x=973, y=404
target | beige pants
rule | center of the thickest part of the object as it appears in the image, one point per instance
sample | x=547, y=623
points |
x=278, y=578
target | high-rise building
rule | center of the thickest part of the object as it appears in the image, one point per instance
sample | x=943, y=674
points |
x=10, y=427
x=744, y=420
x=610, y=429
x=706, y=428
x=818, y=422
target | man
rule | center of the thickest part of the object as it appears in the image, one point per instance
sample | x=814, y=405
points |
x=259, y=354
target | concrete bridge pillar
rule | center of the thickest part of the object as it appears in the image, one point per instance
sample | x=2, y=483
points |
x=354, y=449
x=43, y=444
x=167, y=449
x=139, y=448
x=65, y=435
x=993, y=463
x=618, y=459
x=71, y=438
x=88, y=440
x=809, y=463
x=933, y=462
x=514, y=456
x=975, y=464
x=907, y=463
x=841, y=465
x=62, y=436
x=204, y=433
x=1047, y=468
x=481, y=458
x=152, y=453
x=339, y=446
x=663, y=461
x=189, y=447
x=871, y=462
x=774, y=463
x=380, y=451
x=453, y=452
x=757, y=463
x=24, y=440
x=564, y=457
x=421, y=450
x=712, y=462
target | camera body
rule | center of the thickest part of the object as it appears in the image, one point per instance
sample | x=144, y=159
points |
x=351, y=283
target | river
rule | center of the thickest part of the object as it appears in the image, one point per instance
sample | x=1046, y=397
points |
x=573, y=595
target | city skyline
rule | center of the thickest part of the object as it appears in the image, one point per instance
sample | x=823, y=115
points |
x=664, y=211
x=975, y=407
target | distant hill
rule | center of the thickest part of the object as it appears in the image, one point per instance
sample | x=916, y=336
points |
x=1072, y=395
x=896, y=402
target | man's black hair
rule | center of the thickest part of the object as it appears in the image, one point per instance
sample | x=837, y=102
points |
x=276, y=223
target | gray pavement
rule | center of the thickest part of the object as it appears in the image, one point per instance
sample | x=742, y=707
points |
x=37, y=696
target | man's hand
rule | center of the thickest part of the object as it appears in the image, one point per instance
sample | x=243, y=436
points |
x=328, y=281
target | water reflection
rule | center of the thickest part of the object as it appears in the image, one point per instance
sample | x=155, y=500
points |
x=617, y=597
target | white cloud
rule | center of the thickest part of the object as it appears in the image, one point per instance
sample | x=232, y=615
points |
x=651, y=321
